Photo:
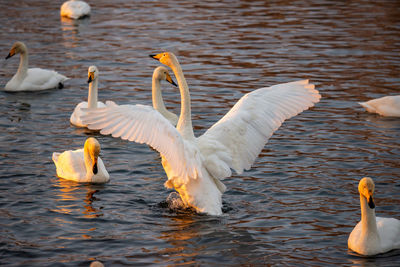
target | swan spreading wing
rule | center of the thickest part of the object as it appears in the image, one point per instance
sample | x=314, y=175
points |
x=142, y=124
x=236, y=140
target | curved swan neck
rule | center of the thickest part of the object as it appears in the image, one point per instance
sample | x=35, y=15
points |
x=88, y=160
x=23, y=65
x=92, y=96
x=368, y=219
x=185, y=119
x=158, y=102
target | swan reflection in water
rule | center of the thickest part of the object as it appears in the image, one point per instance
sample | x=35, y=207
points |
x=71, y=197
x=70, y=31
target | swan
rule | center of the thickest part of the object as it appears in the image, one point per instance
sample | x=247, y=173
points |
x=373, y=235
x=93, y=81
x=33, y=79
x=384, y=106
x=82, y=165
x=195, y=166
x=75, y=9
x=159, y=74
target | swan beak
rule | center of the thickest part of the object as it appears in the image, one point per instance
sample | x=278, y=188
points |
x=371, y=203
x=95, y=170
x=169, y=79
x=91, y=77
x=12, y=53
x=156, y=57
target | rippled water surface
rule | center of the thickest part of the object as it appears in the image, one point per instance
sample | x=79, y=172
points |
x=298, y=203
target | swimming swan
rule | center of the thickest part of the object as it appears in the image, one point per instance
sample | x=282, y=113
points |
x=93, y=81
x=34, y=79
x=159, y=74
x=75, y=9
x=373, y=235
x=195, y=166
x=82, y=165
x=384, y=106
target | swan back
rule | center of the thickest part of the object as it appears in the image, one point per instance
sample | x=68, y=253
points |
x=384, y=106
x=75, y=9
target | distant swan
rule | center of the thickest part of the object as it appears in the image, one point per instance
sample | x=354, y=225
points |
x=34, y=79
x=385, y=106
x=159, y=74
x=373, y=235
x=195, y=166
x=75, y=9
x=93, y=80
x=82, y=165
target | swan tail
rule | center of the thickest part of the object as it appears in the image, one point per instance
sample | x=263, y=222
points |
x=367, y=107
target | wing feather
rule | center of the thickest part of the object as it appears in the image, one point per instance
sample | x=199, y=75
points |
x=236, y=139
x=141, y=124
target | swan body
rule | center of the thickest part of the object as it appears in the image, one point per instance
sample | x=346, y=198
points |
x=93, y=81
x=384, y=106
x=373, y=235
x=196, y=166
x=33, y=79
x=75, y=9
x=82, y=165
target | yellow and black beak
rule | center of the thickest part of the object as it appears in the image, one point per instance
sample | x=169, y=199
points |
x=90, y=77
x=12, y=53
x=169, y=79
x=95, y=169
x=156, y=57
x=371, y=203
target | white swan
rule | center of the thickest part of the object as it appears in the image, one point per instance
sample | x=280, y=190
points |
x=93, y=80
x=195, y=166
x=75, y=9
x=34, y=79
x=384, y=106
x=373, y=235
x=159, y=74
x=82, y=165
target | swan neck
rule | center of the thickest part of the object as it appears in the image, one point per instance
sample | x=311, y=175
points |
x=184, y=125
x=88, y=161
x=23, y=65
x=92, y=96
x=368, y=219
x=158, y=102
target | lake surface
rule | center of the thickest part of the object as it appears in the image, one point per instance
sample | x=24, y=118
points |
x=298, y=203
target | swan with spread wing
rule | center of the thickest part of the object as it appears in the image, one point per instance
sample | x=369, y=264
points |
x=196, y=166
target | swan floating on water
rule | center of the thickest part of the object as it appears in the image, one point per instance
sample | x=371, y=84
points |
x=385, y=106
x=93, y=81
x=82, y=165
x=33, y=79
x=159, y=74
x=195, y=166
x=75, y=9
x=373, y=235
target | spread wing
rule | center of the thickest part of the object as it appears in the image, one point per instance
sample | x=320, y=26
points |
x=142, y=124
x=236, y=140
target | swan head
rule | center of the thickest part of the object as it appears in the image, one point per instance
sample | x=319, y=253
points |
x=18, y=47
x=166, y=58
x=93, y=73
x=366, y=188
x=92, y=146
x=161, y=73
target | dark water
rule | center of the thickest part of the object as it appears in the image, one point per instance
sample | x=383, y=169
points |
x=298, y=203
